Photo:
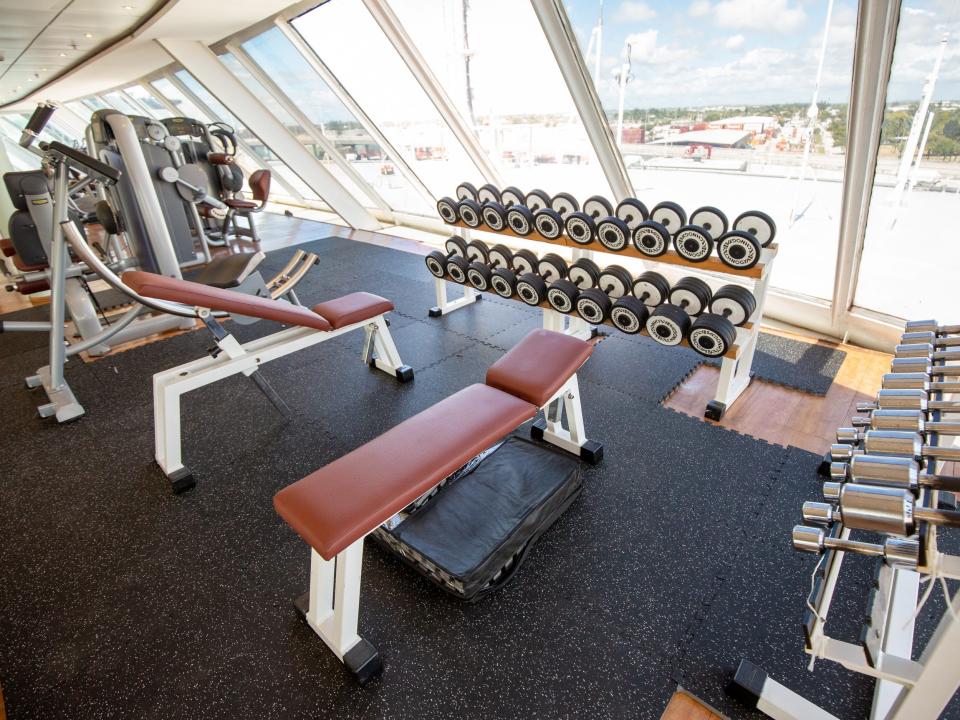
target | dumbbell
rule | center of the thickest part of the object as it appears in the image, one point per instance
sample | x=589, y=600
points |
x=931, y=326
x=670, y=323
x=470, y=213
x=536, y=200
x=900, y=552
x=630, y=312
x=466, y=191
x=580, y=227
x=511, y=196
x=548, y=222
x=532, y=284
x=651, y=238
x=632, y=212
x=713, y=333
x=447, y=208
x=711, y=219
x=488, y=193
x=670, y=215
x=563, y=204
x=877, y=508
x=758, y=225
x=888, y=470
x=903, y=365
x=585, y=273
x=902, y=420
x=520, y=219
x=437, y=261
x=595, y=304
x=928, y=338
x=917, y=381
x=908, y=400
x=925, y=351
x=494, y=215
x=508, y=266
x=613, y=233
x=894, y=442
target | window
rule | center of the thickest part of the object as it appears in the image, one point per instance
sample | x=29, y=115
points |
x=171, y=94
x=119, y=102
x=717, y=110
x=148, y=102
x=517, y=102
x=910, y=252
x=380, y=82
x=300, y=82
x=94, y=103
x=11, y=125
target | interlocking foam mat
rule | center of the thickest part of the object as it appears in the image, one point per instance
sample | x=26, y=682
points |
x=118, y=599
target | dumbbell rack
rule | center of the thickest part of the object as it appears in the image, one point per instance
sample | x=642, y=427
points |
x=736, y=365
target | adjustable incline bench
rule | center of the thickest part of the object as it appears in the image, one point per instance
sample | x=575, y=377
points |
x=336, y=507
x=309, y=327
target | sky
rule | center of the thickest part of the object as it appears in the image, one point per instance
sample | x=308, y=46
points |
x=706, y=52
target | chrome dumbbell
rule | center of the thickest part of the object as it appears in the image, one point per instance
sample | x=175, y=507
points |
x=925, y=350
x=876, y=508
x=904, y=420
x=898, y=472
x=923, y=365
x=908, y=400
x=928, y=338
x=901, y=552
x=930, y=326
x=917, y=381
x=893, y=442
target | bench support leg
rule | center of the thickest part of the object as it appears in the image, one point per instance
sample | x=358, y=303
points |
x=379, y=351
x=569, y=436
x=333, y=607
x=166, y=423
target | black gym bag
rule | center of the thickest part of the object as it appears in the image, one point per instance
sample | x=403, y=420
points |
x=472, y=534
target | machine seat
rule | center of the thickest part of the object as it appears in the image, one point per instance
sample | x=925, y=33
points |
x=240, y=204
x=227, y=271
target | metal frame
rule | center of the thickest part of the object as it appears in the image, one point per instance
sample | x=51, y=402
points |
x=300, y=117
x=390, y=24
x=233, y=358
x=206, y=67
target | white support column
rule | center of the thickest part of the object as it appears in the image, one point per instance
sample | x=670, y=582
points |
x=307, y=124
x=319, y=67
x=559, y=33
x=201, y=62
x=420, y=69
x=872, y=58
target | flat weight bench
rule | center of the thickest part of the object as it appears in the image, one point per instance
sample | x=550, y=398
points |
x=310, y=326
x=336, y=507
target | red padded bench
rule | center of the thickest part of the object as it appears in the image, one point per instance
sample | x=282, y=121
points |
x=336, y=507
x=309, y=326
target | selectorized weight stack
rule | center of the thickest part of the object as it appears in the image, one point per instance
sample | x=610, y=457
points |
x=724, y=324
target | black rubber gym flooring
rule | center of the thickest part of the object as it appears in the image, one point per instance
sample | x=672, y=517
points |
x=118, y=599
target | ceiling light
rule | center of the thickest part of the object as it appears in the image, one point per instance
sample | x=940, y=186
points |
x=63, y=54
x=43, y=69
x=126, y=7
x=88, y=35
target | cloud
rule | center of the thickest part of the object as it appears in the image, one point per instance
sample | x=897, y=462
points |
x=767, y=15
x=699, y=8
x=631, y=11
x=734, y=41
x=646, y=50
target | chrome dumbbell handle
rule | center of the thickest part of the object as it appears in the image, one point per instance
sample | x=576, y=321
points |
x=907, y=399
x=917, y=381
x=877, y=508
x=930, y=326
x=903, y=420
x=928, y=338
x=901, y=365
x=893, y=442
x=887, y=470
x=896, y=551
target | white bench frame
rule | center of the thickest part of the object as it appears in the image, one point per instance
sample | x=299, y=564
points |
x=379, y=350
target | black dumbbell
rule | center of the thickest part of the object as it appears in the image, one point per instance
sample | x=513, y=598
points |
x=447, y=208
x=549, y=223
x=437, y=261
x=693, y=243
x=511, y=196
x=580, y=227
x=670, y=323
x=595, y=304
x=536, y=200
x=651, y=238
x=712, y=334
x=584, y=273
x=564, y=204
x=470, y=213
x=562, y=295
x=520, y=219
x=651, y=288
x=507, y=265
x=597, y=207
x=738, y=249
x=466, y=191
x=488, y=193
x=477, y=251
x=531, y=288
x=616, y=281
x=500, y=256
x=479, y=275
x=613, y=233
x=525, y=261
x=711, y=219
x=670, y=215
x=632, y=212
x=552, y=267
x=757, y=224
x=494, y=215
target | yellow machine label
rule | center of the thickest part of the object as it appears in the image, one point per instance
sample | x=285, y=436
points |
x=39, y=201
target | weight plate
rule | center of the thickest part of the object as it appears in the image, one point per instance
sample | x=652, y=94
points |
x=537, y=200
x=552, y=267
x=479, y=275
x=693, y=243
x=593, y=305
x=488, y=193
x=503, y=282
x=710, y=219
x=531, y=289
x=525, y=261
x=629, y=315
x=520, y=219
x=511, y=196
x=580, y=227
x=466, y=191
x=651, y=238
x=632, y=212
x=456, y=245
x=712, y=335
x=758, y=224
x=477, y=251
x=615, y=281
x=447, y=208
x=548, y=223
x=564, y=203
x=436, y=263
x=500, y=256
x=584, y=273
x=670, y=215
x=738, y=249
x=613, y=233
x=735, y=303
x=562, y=295
x=597, y=207
x=694, y=291
x=494, y=215
x=651, y=288
x=469, y=213
x=156, y=131
x=457, y=267
x=668, y=325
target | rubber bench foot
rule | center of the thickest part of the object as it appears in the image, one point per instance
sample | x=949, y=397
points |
x=362, y=660
x=404, y=373
x=435, y=312
x=747, y=684
x=715, y=410
x=823, y=469
x=537, y=429
x=181, y=481
x=591, y=452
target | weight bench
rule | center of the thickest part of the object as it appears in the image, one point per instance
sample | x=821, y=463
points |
x=310, y=326
x=336, y=507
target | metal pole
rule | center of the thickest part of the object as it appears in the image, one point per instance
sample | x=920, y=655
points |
x=58, y=269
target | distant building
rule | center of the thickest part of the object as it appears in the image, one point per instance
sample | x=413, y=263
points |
x=755, y=124
x=724, y=138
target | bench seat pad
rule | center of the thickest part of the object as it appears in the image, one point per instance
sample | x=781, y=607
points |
x=342, y=502
x=539, y=365
x=353, y=308
x=191, y=293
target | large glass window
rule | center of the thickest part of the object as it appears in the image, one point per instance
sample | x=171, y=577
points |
x=516, y=101
x=185, y=107
x=351, y=43
x=119, y=102
x=300, y=82
x=717, y=109
x=149, y=103
x=911, y=253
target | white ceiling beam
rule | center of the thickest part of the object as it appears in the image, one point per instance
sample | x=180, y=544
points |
x=206, y=67
x=559, y=33
x=415, y=62
x=307, y=124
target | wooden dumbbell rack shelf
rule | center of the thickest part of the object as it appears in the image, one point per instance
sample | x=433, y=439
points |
x=736, y=365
